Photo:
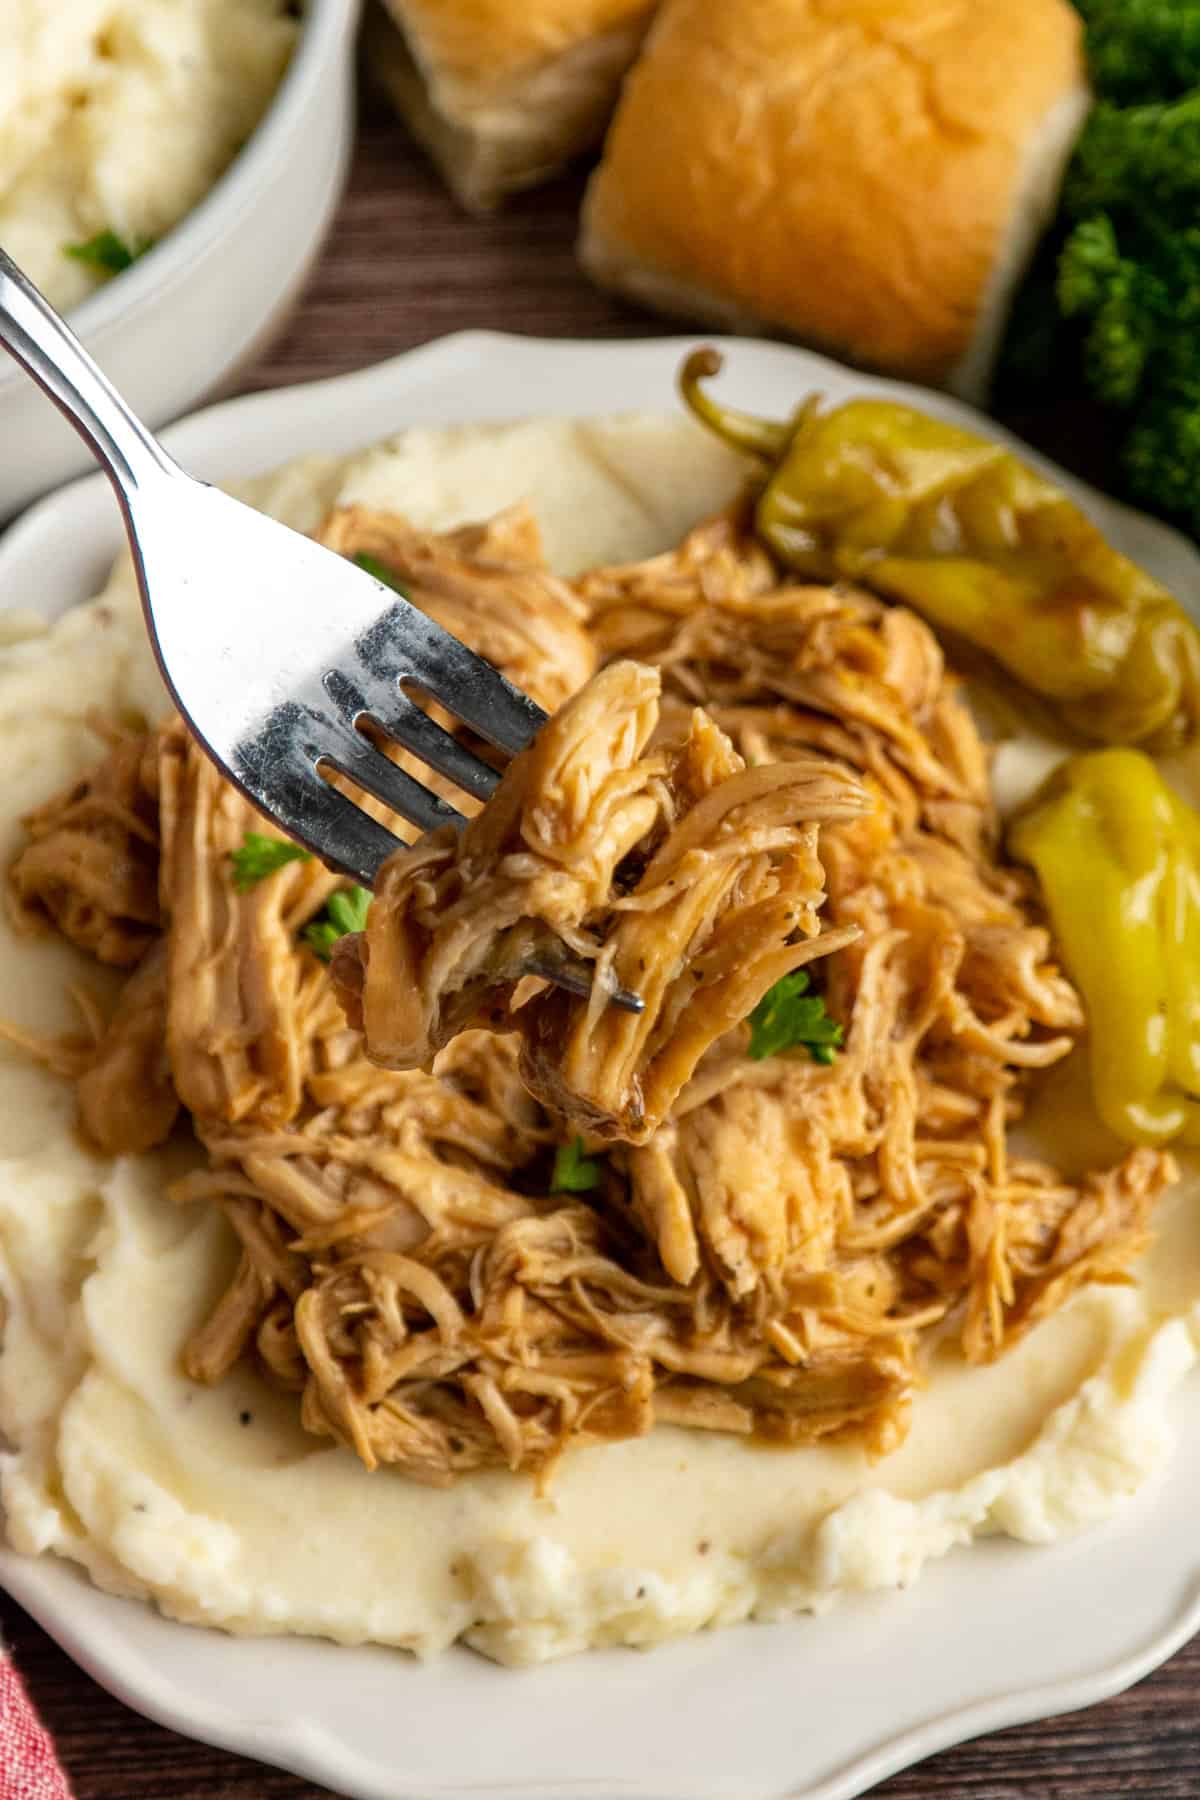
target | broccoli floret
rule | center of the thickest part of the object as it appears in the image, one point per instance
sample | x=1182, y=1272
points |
x=1161, y=455
x=1169, y=252
x=1142, y=49
x=1133, y=156
x=1123, y=306
x=1088, y=266
x=1125, y=255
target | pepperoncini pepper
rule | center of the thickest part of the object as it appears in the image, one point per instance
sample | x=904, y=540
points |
x=977, y=543
x=1118, y=857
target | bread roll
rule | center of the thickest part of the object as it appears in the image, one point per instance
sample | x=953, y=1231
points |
x=503, y=92
x=868, y=175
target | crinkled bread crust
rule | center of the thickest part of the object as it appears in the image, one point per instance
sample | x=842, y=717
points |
x=215, y=1505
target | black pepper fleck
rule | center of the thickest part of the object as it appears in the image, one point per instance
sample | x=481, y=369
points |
x=244, y=1418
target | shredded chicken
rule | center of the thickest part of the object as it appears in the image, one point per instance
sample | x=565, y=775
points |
x=126, y=1086
x=776, y=1256
x=90, y=867
x=238, y=995
x=672, y=870
x=788, y=669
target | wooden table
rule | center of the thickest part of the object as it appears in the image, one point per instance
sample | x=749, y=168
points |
x=404, y=266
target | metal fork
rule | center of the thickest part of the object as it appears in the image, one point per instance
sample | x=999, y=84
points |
x=277, y=651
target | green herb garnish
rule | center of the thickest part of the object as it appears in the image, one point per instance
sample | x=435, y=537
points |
x=574, y=1173
x=788, y=1015
x=260, y=856
x=372, y=566
x=344, y=912
x=107, y=252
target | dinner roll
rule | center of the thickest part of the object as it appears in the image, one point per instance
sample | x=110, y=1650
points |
x=869, y=175
x=503, y=92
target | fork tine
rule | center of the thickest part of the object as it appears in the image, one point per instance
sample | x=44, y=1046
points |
x=276, y=769
x=340, y=833
x=574, y=976
x=404, y=644
x=354, y=756
x=399, y=718
x=394, y=787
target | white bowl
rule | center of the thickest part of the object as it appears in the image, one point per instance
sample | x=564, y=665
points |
x=171, y=329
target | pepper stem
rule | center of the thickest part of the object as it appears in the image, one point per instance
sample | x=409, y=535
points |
x=763, y=438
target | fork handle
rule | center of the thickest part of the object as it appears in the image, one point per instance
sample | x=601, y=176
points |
x=45, y=345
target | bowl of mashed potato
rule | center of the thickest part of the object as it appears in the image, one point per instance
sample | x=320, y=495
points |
x=168, y=169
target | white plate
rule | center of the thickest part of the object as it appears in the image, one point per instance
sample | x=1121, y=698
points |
x=818, y=1708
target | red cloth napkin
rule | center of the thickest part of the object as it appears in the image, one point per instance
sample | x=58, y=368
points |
x=28, y=1766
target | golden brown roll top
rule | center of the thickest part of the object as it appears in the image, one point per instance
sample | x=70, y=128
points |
x=869, y=175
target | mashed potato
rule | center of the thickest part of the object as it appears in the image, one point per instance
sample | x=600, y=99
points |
x=119, y=115
x=213, y=1504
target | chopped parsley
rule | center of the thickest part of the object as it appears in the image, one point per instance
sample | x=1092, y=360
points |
x=574, y=1173
x=344, y=912
x=789, y=1015
x=107, y=252
x=260, y=856
x=371, y=565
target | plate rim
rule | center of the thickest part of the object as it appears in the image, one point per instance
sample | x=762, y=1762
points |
x=423, y=360
x=304, y=1745
x=305, y=1748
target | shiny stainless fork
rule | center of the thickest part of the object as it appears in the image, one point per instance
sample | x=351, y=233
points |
x=277, y=651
